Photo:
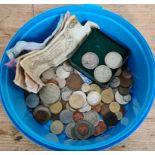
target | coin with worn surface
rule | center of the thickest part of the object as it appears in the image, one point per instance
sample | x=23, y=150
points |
x=113, y=60
x=56, y=127
x=118, y=72
x=49, y=74
x=93, y=98
x=85, y=87
x=96, y=108
x=66, y=93
x=102, y=73
x=114, y=107
x=92, y=117
x=85, y=108
x=90, y=60
x=74, y=82
x=49, y=94
x=67, y=67
x=126, y=74
x=123, y=90
x=66, y=116
x=119, y=98
x=68, y=130
x=81, y=93
x=104, y=109
x=77, y=116
x=61, y=73
x=115, y=82
x=61, y=82
x=41, y=114
x=32, y=100
x=125, y=82
x=110, y=119
x=56, y=107
x=127, y=98
x=76, y=100
x=119, y=115
x=95, y=87
x=107, y=95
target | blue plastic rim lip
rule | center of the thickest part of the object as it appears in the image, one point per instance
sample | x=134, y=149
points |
x=126, y=132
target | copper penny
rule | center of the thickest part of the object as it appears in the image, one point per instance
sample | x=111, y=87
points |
x=77, y=116
x=104, y=109
x=125, y=82
x=74, y=81
x=102, y=126
x=96, y=108
x=127, y=74
x=83, y=129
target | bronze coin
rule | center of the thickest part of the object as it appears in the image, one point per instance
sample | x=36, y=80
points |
x=96, y=108
x=102, y=126
x=83, y=129
x=74, y=81
x=127, y=74
x=104, y=109
x=125, y=82
x=77, y=116
x=97, y=131
x=123, y=90
x=52, y=81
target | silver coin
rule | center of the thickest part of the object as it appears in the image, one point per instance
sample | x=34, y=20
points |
x=93, y=98
x=66, y=116
x=66, y=93
x=61, y=82
x=127, y=98
x=102, y=73
x=61, y=73
x=119, y=98
x=67, y=67
x=115, y=82
x=113, y=60
x=32, y=100
x=56, y=127
x=68, y=129
x=85, y=108
x=49, y=74
x=90, y=60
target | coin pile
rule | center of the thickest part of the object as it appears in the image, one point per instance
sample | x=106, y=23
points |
x=79, y=108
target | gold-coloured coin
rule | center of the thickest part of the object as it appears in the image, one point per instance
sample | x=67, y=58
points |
x=95, y=87
x=56, y=108
x=107, y=95
x=119, y=115
x=114, y=107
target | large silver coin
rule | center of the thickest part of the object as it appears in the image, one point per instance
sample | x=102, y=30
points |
x=68, y=130
x=90, y=60
x=102, y=73
x=66, y=116
x=49, y=94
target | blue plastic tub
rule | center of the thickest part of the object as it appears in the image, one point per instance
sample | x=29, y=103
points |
x=141, y=62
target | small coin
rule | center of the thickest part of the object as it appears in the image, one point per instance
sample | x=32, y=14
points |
x=126, y=74
x=127, y=98
x=93, y=98
x=110, y=119
x=77, y=116
x=56, y=108
x=119, y=98
x=102, y=73
x=85, y=108
x=66, y=93
x=61, y=73
x=32, y=100
x=66, y=116
x=41, y=114
x=125, y=82
x=67, y=67
x=61, y=82
x=68, y=130
x=104, y=109
x=96, y=108
x=49, y=94
x=92, y=117
x=74, y=82
x=76, y=100
x=56, y=127
x=114, y=107
x=118, y=72
x=119, y=115
x=49, y=74
x=107, y=95
x=113, y=60
x=85, y=87
x=123, y=90
x=95, y=87
x=90, y=60
x=115, y=82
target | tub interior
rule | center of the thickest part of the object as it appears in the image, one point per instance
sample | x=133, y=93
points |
x=137, y=63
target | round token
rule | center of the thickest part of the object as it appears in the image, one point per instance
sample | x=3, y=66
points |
x=81, y=93
x=41, y=114
x=125, y=82
x=110, y=119
x=77, y=116
x=49, y=74
x=76, y=100
x=66, y=116
x=56, y=127
x=56, y=108
x=49, y=94
x=119, y=98
x=107, y=95
x=95, y=87
x=66, y=93
x=113, y=60
x=85, y=87
x=119, y=115
x=115, y=82
x=85, y=108
x=92, y=117
x=96, y=108
x=123, y=90
x=93, y=98
x=114, y=107
x=68, y=130
x=104, y=109
x=102, y=73
x=127, y=74
x=32, y=100
x=127, y=98
x=61, y=82
x=90, y=60
x=67, y=67
x=74, y=82
x=61, y=73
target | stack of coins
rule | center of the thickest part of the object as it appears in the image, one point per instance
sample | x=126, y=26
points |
x=78, y=107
